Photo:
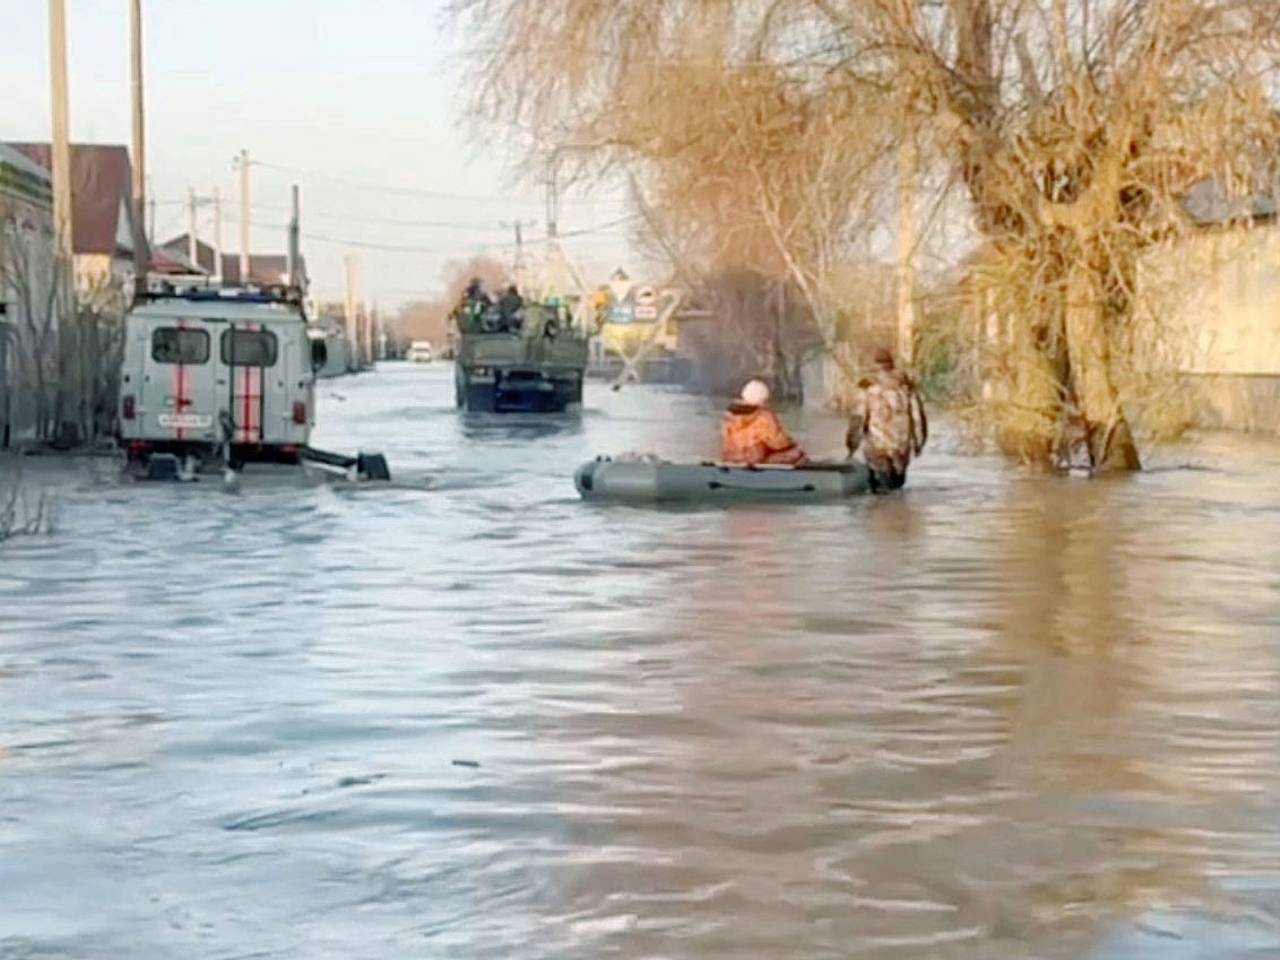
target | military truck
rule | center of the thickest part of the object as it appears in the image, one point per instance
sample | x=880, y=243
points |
x=532, y=363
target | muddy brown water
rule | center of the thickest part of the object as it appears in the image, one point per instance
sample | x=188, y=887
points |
x=469, y=716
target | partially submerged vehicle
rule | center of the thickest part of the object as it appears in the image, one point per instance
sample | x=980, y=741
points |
x=222, y=375
x=534, y=366
x=658, y=481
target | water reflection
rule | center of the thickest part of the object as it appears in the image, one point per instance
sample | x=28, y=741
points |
x=519, y=427
x=995, y=717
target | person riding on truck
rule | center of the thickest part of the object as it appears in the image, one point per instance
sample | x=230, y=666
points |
x=751, y=433
x=471, y=309
x=888, y=423
x=510, y=310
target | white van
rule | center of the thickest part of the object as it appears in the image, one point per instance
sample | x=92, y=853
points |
x=215, y=373
x=419, y=352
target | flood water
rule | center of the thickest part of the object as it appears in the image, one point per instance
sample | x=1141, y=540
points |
x=469, y=716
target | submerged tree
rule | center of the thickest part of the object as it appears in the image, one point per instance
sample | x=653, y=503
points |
x=1075, y=126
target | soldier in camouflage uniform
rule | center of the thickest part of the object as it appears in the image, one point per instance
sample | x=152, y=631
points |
x=888, y=423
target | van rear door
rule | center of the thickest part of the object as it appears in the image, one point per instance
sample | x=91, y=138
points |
x=247, y=351
x=178, y=396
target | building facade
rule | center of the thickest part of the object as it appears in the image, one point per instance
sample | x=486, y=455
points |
x=102, y=228
x=28, y=316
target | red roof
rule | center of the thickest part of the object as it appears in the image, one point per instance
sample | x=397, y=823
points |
x=180, y=247
x=100, y=190
x=263, y=268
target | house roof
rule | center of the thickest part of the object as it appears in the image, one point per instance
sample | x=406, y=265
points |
x=180, y=248
x=263, y=268
x=21, y=177
x=100, y=188
x=171, y=260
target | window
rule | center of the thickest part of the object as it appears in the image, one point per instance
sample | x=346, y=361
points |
x=171, y=345
x=249, y=348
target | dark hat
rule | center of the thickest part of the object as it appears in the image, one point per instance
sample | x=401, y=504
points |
x=883, y=358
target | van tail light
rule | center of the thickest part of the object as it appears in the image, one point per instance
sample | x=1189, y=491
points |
x=299, y=413
x=129, y=407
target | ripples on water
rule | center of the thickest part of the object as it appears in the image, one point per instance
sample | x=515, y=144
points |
x=470, y=716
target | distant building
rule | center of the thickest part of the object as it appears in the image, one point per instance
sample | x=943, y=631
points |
x=1211, y=303
x=264, y=268
x=101, y=216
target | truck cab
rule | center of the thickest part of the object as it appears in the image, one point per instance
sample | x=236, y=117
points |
x=218, y=374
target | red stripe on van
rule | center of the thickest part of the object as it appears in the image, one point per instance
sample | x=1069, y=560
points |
x=250, y=399
x=181, y=387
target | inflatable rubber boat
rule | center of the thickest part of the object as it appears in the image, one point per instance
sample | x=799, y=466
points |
x=637, y=481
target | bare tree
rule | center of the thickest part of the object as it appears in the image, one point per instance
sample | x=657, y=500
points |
x=101, y=308
x=1076, y=125
x=750, y=184
x=32, y=281
x=430, y=319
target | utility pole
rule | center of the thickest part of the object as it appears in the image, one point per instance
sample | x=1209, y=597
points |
x=71, y=361
x=193, y=247
x=217, y=235
x=141, y=251
x=519, y=266
x=151, y=221
x=553, y=196
x=61, y=148
x=294, y=240
x=907, y=163
x=244, y=216
x=352, y=263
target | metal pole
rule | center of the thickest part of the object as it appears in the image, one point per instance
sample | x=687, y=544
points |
x=553, y=196
x=294, y=239
x=193, y=249
x=71, y=359
x=141, y=251
x=151, y=220
x=217, y=236
x=61, y=153
x=907, y=161
x=244, y=216
x=519, y=265
x=352, y=263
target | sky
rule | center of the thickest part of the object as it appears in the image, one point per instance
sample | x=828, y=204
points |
x=361, y=104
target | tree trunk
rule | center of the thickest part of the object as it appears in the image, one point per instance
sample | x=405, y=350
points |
x=1111, y=445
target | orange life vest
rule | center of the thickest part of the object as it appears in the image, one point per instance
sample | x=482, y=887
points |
x=754, y=435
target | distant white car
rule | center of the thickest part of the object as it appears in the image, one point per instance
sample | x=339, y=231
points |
x=419, y=352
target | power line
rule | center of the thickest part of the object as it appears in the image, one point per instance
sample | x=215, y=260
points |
x=387, y=221
x=411, y=248
x=401, y=191
x=394, y=221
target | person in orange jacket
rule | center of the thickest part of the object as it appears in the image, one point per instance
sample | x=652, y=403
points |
x=751, y=433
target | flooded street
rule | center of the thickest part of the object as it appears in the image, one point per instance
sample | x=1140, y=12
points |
x=470, y=716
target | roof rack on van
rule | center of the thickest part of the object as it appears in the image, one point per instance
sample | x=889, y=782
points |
x=237, y=293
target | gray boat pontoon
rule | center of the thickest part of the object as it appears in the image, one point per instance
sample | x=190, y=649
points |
x=637, y=481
